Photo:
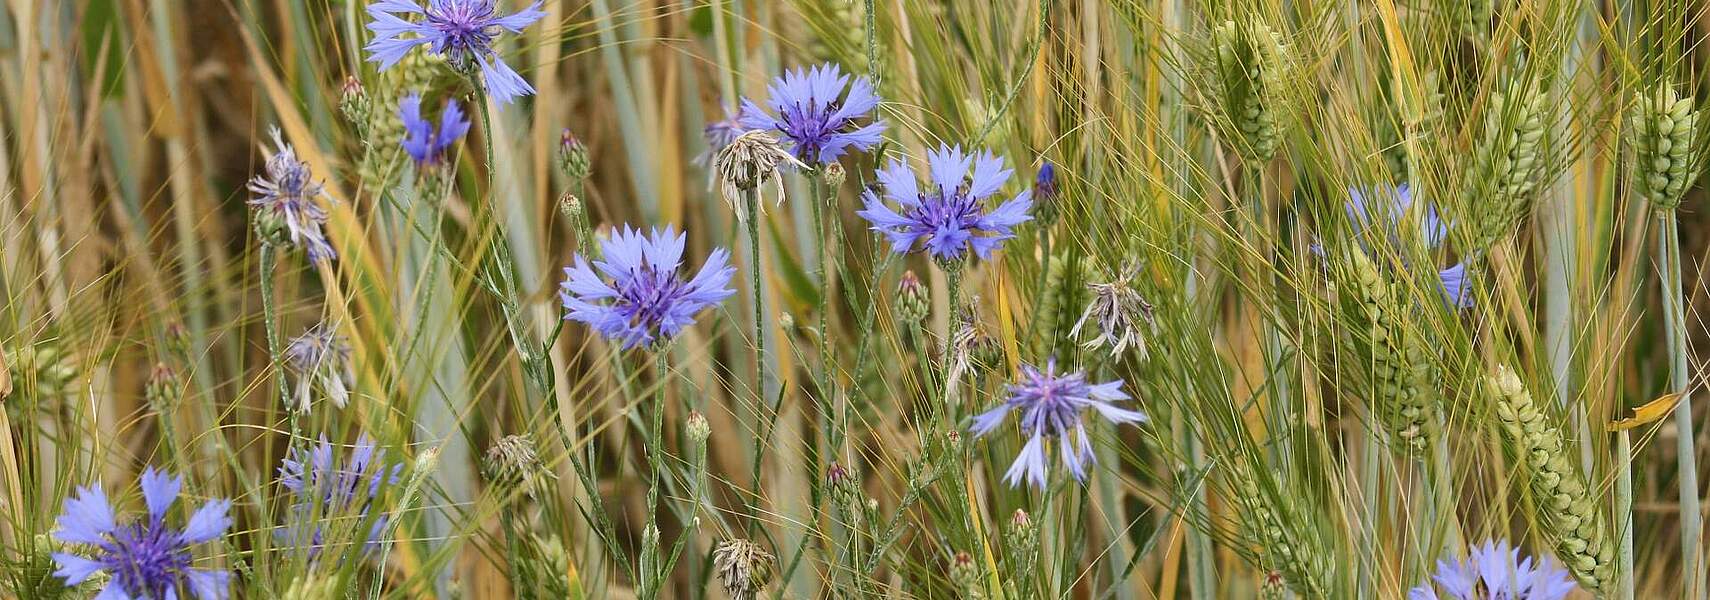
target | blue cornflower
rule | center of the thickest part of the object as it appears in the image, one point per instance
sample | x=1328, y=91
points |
x=637, y=296
x=1045, y=182
x=1052, y=406
x=425, y=143
x=1390, y=210
x=146, y=558
x=1389, y=213
x=815, y=115
x=284, y=203
x=948, y=217
x=1495, y=571
x=323, y=490
x=460, y=30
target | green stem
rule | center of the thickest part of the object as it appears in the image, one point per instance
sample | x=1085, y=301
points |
x=652, y=575
x=1680, y=381
x=270, y=322
x=1624, y=515
x=751, y=204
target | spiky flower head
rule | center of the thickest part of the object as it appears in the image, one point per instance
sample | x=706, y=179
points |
x=1123, y=317
x=913, y=301
x=354, y=103
x=748, y=162
x=328, y=494
x=321, y=358
x=573, y=156
x=949, y=218
x=817, y=110
x=513, y=462
x=1495, y=571
x=163, y=390
x=743, y=568
x=1664, y=132
x=146, y=557
x=284, y=206
x=964, y=575
x=462, y=31
x=427, y=144
x=1052, y=406
x=637, y=296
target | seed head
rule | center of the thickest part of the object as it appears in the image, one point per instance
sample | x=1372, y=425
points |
x=1122, y=316
x=697, y=427
x=743, y=568
x=749, y=161
x=513, y=462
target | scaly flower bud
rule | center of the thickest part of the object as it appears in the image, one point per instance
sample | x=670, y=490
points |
x=573, y=158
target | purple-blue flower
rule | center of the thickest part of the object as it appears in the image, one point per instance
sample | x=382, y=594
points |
x=1052, y=406
x=948, y=218
x=1386, y=208
x=320, y=357
x=635, y=295
x=815, y=115
x=460, y=30
x=424, y=142
x=324, y=491
x=719, y=134
x=1045, y=182
x=1495, y=571
x=145, y=557
x=284, y=202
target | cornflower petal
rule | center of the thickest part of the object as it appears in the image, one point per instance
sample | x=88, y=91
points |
x=159, y=491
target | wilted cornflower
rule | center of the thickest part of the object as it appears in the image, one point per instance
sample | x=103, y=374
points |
x=815, y=115
x=949, y=218
x=320, y=357
x=1122, y=316
x=424, y=142
x=1495, y=571
x=284, y=203
x=637, y=295
x=323, y=490
x=462, y=31
x=1052, y=406
x=513, y=463
x=743, y=568
x=748, y=162
x=146, y=558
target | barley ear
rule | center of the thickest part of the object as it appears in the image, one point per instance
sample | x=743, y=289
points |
x=1567, y=509
x=1248, y=60
x=1302, y=565
x=1389, y=355
x=1507, y=163
x=1662, y=132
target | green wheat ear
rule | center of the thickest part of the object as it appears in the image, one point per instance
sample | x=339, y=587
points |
x=1662, y=131
x=1389, y=355
x=1280, y=549
x=384, y=132
x=1563, y=502
x=1247, y=66
x=1507, y=162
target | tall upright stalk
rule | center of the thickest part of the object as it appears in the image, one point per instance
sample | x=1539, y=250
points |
x=751, y=204
x=1680, y=382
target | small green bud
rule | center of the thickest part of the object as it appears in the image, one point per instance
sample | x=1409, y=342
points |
x=573, y=156
x=697, y=427
x=912, y=301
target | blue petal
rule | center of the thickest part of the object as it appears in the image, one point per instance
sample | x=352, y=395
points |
x=899, y=183
x=389, y=51
x=159, y=491
x=1030, y=463
x=523, y=18
x=503, y=84
x=87, y=518
x=113, y=591
x=74, y=569
x=990, y=420
x=209, y=584
x=989, y=175
x=208, y=523
x=948, y=166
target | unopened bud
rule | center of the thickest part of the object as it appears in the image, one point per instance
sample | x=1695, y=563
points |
x=697, y=427
x=912, y=301
x=573, y=156
x=834, y=176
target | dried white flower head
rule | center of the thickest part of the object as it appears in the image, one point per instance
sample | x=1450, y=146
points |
x=742, y=567
x=513, y=462
x=1122, y=316
x=747, y=163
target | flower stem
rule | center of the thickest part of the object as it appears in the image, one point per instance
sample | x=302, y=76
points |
x=270, y=322
x=751, y=204
x=1680, y=381
x=652, y=573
